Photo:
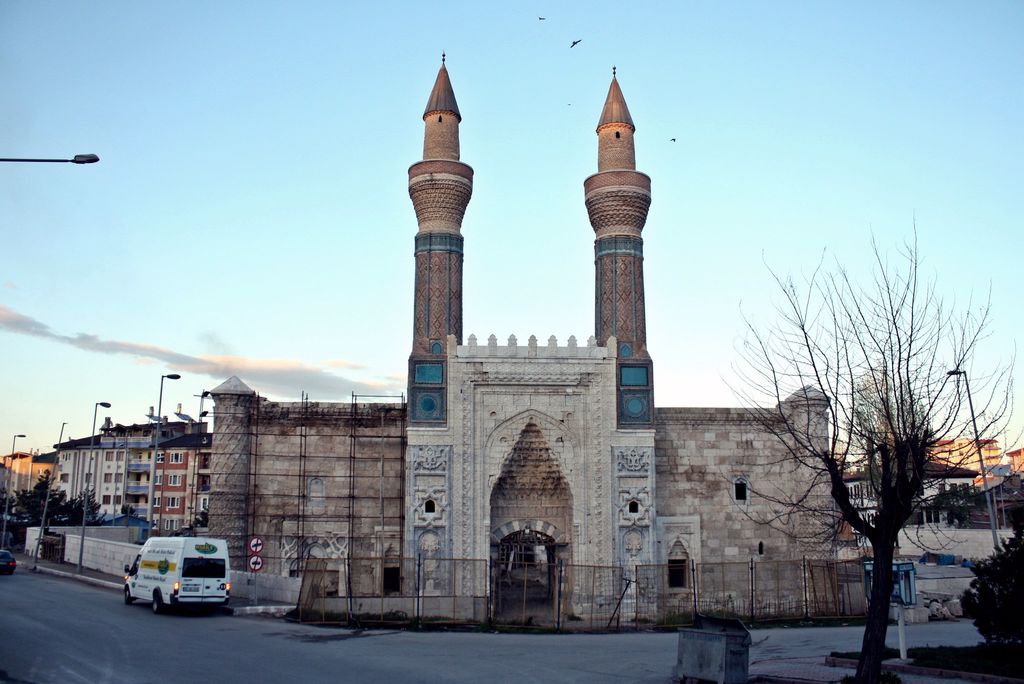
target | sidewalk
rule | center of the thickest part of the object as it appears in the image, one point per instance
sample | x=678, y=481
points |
x=815, y=669
x=238, y=606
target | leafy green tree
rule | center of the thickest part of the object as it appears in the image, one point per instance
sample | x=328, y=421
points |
x=996, y=597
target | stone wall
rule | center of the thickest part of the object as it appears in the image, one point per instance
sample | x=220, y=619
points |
x=321, y=480
x=701, y=454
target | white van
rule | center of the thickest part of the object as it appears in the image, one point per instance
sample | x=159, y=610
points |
x=186, y=571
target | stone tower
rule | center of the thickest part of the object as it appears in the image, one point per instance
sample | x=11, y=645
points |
x=618, y=197
x=440, y=187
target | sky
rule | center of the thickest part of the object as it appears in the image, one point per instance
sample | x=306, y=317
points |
x=250, y=215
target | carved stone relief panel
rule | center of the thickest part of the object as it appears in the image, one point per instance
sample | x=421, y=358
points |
x=431, y=459
x=634, y=506
x=633, y=460
x=634, y=546
x=430, y=506
x=679, y=532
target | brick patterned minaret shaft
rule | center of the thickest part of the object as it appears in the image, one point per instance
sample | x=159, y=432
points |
x=440, y=187
x=618, y=197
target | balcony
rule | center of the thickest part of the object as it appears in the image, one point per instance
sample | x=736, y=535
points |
x=138, y=467
x=135, y=489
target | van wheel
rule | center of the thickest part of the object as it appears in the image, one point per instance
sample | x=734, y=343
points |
x=128, y=600
x=158, y=602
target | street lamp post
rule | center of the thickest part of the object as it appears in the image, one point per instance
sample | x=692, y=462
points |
x=981, y=461
x=46, y=501
x=77, y=159
x=195, y=458
x=85, y=489
x=156, y=445
x=7, y=492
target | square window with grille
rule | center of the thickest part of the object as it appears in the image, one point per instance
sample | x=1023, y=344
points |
x=392, y=580
x=677, y=573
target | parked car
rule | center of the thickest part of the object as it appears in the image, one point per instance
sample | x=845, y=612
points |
x=7, y=562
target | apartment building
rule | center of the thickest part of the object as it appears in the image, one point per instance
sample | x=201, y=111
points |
x=116, y=465
x=182, y=481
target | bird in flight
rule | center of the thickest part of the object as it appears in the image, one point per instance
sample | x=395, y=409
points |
x=671, y=139
x=541, y=18
x=576, y=42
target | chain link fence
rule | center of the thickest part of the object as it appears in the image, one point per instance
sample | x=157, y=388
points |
x=566, y=597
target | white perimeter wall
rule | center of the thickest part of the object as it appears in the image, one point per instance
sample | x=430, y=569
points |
x=110, y=556
x=969, y=543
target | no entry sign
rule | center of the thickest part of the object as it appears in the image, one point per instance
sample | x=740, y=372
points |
x=256, y=545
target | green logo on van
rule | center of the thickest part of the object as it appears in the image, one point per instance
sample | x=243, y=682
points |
x=163, y=566
x=206, y=548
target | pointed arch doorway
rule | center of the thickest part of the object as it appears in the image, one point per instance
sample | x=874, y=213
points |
x=531, y=511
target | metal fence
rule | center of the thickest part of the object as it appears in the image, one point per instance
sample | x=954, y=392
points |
x=668, y=595
x=394, y=591
x=568, y=597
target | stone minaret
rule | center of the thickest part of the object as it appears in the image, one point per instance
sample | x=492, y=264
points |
x=617, y=198
x=235, y=404
x=440, y=187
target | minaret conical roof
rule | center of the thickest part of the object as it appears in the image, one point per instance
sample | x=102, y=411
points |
x=615, y=109
x=442, y=97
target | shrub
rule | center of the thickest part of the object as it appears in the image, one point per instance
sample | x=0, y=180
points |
x=995, y=598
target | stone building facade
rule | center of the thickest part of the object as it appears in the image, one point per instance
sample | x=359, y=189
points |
x=542, y=451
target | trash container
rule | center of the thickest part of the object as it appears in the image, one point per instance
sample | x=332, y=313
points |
x=714, y=649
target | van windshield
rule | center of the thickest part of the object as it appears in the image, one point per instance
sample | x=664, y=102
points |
x=203, y=567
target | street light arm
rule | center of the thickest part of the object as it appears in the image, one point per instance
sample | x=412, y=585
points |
x=77, y=159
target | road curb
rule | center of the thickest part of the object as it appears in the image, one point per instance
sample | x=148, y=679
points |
x=116, y=586
x=240, y=611
x=272, y=611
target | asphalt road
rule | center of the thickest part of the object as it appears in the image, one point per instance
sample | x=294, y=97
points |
x=57, y=630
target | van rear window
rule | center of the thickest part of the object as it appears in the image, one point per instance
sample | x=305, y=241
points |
x=203, y=567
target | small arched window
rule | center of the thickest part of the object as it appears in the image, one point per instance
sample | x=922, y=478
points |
x=438, y=118
x=634, y=507
x=429, y=506
x=617, y=134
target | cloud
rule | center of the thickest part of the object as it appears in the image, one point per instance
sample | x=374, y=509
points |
x=281, y=377
x=213, y=343
x=8, y=285
x=341, y=363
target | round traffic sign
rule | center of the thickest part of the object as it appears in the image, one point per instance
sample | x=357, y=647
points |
x=256, y=544
x=255, y=563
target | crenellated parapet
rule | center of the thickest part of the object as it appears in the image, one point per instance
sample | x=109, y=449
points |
x=532, y=350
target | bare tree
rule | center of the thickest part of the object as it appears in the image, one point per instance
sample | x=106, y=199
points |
x=859, y=380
